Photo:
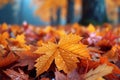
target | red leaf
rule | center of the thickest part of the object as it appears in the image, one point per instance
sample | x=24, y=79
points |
x=9, y=59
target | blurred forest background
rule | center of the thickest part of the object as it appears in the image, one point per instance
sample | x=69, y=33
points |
x=59, y=12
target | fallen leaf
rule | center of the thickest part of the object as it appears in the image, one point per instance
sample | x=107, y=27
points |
x=93, y=64
x=9, y=59
x=2, y=51
x=64, y=53
x=14, y=75
x=27, y=58
x=74, y=75
x=60, y=76
x=105, y=45
x=110, y=36
x=3, y=39
x=100, y=71
x=113, y=54
x=19, y=41
x=104, y=60
x=91, y=28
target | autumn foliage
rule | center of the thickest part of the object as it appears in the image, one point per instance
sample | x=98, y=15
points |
x=64, y=53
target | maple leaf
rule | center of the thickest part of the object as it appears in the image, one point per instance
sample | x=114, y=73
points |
x=104, y=60
x=2, y=51
x=19, y=41
x=91, y=28
x=14, y=75
x=104, y=45
x=93, y=64
x=64, y=53
x=9, y=59
x=100, y=71
x=3, y=38
x=113, y=54
x=27, y=58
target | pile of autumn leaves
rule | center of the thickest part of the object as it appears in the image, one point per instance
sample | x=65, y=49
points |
x=72, y=52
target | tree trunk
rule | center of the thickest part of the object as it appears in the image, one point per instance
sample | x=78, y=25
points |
x=70, y=12
x=93, y=11
x=58, y=20
x=20, y=19
x=119, y=14
x=52, y=22
x=7, y=14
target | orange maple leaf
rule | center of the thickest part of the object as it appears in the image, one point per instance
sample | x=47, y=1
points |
x=3, y=39
x=113, y=54
x=64, y=53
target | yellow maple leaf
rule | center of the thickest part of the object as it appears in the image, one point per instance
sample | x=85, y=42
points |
x=21, y=39
x=60, y=32
x=91, y=28
x=100, y=71
x=64, y=53
x=20, y=42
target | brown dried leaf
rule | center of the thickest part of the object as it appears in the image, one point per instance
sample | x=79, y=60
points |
x=27, y=58
x=60, y=76
x=16, y=75
x=74, y=75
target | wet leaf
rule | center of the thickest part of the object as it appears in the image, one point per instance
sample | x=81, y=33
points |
x=64, y=53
